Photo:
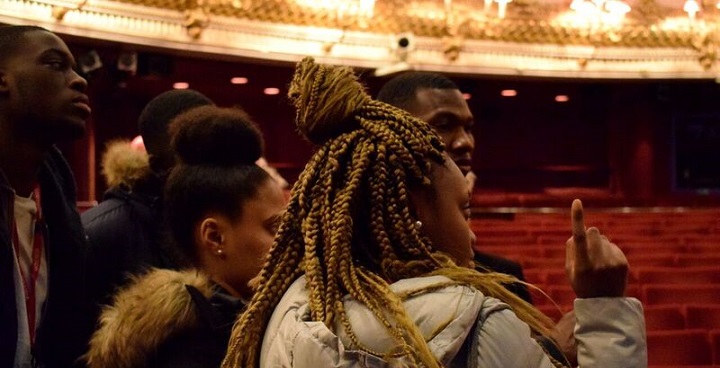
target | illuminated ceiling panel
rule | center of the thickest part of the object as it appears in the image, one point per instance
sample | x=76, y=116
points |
x=572, y=38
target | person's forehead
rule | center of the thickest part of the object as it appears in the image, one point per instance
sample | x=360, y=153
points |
x=432, y=101
x=37, y=42
x=435, y=97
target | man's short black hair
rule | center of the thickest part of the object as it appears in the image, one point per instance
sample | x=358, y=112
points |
x=401, y=90
x=161, y=110
x=11, y=38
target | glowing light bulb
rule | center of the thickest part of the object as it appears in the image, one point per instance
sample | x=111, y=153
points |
x=691, y=7
x=502, y=7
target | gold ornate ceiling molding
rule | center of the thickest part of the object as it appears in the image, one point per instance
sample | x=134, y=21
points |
x=656, y=39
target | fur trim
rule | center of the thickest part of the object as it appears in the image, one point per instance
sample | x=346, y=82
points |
x=124, y=165
x=143, y=315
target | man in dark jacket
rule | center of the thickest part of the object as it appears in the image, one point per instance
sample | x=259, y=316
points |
x=126, y=230
x=438, y=101
x=43, y=308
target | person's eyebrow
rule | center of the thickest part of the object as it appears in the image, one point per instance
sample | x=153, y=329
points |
x=61, y=54
x=448, y=116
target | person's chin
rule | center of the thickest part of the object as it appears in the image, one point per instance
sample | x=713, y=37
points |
x=72, y=130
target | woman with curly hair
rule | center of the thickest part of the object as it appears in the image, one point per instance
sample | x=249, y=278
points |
x=223, y=211
x=372, y=265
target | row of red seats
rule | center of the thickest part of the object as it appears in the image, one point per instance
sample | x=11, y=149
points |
x=682, y=316
x=638, y=275
x=683, y=347
x=524, y=238
x=601, y=219
x=679, y=261
x=678, y=335
x=675, y=271
x=649, y=295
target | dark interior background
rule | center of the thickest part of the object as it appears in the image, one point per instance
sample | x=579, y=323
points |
x=616, y=142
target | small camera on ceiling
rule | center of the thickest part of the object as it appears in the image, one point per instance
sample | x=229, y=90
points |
x=402, y=45
x=403, y=41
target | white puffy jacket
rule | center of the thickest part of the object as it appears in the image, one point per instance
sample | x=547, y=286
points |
x=610, y=331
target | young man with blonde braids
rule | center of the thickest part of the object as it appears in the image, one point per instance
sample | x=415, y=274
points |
x=370, y=267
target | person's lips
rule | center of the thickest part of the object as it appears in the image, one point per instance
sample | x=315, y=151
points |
x=465, y=164
x=82, y=103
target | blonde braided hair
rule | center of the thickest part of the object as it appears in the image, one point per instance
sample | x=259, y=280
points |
x=349, y=226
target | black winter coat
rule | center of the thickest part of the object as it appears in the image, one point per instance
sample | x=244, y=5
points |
x=66, y=319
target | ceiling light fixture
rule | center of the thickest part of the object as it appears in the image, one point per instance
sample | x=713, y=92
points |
x=600, y=11
x=238, y=80
x=181, y=85
x=502, y=7
x=508, y=93
x=487, y=7
x=691, y=7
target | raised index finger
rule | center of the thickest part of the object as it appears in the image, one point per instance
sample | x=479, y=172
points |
x=578, y=221
x=577, y=250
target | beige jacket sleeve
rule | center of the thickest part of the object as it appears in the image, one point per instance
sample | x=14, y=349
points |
x=610, y=333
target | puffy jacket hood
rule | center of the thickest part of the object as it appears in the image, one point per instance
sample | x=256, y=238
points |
x=143, y=315
x=445, y=315
x=124, y=165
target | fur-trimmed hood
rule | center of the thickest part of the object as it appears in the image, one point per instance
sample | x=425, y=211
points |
x=143, y=315
x=124, y=165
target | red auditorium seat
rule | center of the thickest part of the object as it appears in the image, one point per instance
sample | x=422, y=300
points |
x=535, y=276
x=686, y=294
x=664, y=317
x=562, y=233
x=652, y=248
x=557, y=277
x=684, y=366
x=554, y=252
x=706, y=239
x=564, y=296
x=551, y=311
x=689, y=347
x=504, y=240
x=703, y=316
x=543, y=263
x=509, y=232
x=540, y=297
x=712, y=248
x=686, y=275
x=559, y=240
x=633, y=291
x=654, y=260
x=715, y=345
x=697, y=260
x=513, y=251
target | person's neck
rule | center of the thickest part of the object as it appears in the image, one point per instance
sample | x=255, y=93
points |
x=20, y=162
x=234, y=292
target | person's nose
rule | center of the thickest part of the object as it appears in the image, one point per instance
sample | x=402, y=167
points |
x=77, y=82
x=464, y=141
